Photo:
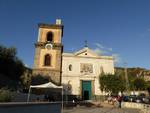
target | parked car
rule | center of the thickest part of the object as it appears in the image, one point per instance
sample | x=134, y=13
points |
x=125, y=98
x=138, y=99
x=146, y=100
x=141, y=98
x=132, y=98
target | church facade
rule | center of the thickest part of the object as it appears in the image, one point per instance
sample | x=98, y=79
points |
x=78, y=72
x=81, y=71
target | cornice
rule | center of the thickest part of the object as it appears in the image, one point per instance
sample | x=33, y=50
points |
x=52, y=26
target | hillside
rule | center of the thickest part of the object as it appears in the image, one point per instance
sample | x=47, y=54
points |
x=135, y=72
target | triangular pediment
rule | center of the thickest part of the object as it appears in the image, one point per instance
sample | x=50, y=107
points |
x=86, y=52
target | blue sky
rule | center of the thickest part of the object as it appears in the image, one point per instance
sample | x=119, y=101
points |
x=112, y=27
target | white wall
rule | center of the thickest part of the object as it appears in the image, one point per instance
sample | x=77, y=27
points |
x=75, y=75
x=145, y=108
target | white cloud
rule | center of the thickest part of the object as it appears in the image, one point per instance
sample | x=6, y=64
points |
x=26, y=65
x=110, y=49
x=99, y=45
x=145, y=34
x=117, y=58
x=148, y=29
x=98, y=51
x=105, y=49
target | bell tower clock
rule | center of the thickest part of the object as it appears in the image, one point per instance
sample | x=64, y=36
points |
x=48, y=51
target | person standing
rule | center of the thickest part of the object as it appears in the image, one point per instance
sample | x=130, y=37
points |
x=120, y=101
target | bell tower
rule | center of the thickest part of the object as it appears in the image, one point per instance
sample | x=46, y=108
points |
x=48, y=51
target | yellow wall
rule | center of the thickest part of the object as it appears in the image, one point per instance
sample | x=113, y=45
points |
x=53, y=58
x=56, y=34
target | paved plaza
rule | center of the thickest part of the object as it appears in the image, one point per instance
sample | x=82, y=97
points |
x=100, y=110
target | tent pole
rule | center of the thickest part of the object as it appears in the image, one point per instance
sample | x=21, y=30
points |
x=29, y=94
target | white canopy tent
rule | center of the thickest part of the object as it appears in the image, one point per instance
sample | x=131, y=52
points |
x=46, y=85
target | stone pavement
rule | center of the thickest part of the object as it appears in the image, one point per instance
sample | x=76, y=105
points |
x=100, y=110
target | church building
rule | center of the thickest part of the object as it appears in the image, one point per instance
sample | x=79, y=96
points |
x=78, y=72
x=81, y=70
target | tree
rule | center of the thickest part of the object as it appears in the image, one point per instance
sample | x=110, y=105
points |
x=111, y=83
x=139, y=84
x=39, y=79
x=148, y=87
x=26, y=78
x=11, y=67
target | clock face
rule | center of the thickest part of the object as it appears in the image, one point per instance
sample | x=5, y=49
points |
x=48, y=46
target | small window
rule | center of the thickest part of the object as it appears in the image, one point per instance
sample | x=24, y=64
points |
x=70, y=67
x=47, y=60
x=49, y=37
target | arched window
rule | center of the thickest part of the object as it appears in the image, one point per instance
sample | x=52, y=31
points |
x=47, y=60
x=50, y=37
x=70, y=67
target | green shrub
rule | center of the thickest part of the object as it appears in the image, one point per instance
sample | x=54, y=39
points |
x=5, y=95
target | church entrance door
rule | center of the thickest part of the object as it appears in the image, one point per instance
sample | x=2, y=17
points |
x=86, y=90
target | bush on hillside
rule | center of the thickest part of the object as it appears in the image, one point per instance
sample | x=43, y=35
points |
x=5, y=95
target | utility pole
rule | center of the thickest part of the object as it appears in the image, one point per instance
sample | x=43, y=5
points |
x=126, y=78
